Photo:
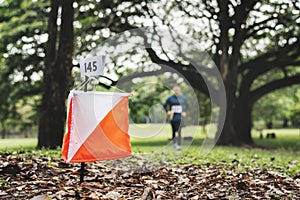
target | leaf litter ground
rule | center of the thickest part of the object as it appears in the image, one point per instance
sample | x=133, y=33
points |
x=40, y=177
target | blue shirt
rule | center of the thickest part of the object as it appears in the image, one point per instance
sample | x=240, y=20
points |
x=178, y=104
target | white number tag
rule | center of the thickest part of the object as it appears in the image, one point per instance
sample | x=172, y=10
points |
x=177, y=108
x=93, y=66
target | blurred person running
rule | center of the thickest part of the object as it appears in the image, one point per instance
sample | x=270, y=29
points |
x=176, y=106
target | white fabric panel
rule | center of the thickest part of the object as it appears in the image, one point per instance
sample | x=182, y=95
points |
x=89, y=109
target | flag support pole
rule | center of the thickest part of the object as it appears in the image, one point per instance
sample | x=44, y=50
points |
x=82, y=165
x=82, y=172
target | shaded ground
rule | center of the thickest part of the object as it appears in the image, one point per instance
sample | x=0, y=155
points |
x=40, y=177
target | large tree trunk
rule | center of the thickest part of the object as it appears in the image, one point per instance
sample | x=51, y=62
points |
x=3, y=132
x=57, y=76
x=244, y=120
x=228, y=70
x=229, y=135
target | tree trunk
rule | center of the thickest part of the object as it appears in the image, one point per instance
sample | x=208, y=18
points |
x=57, y=76
x=3, y=132
x=229, y=134
x=244, y=120
x=228, y=70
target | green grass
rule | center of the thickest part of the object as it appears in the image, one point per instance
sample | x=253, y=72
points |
x=17, y=144
x=281, y=154
x=281, y=160
x=287, y=139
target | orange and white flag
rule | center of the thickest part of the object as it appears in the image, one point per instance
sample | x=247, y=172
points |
x=97, y=127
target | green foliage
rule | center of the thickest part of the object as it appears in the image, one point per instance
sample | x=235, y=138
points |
x=294, y=110
x=4, y=184
x=22, y=40
x=277, y=106
x=144, y=105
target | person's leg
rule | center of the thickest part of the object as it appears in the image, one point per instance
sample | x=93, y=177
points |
x=173, y=125
x=179, y=134
x=177, y=129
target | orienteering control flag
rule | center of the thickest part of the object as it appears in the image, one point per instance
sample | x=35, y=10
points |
x=97, y=127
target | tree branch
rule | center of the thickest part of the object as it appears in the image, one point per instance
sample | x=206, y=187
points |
x=258, y=24
x=179, y=4
x=242, y=11
x=284, y=55
x=252, y=33
x=188, y=71
x=274, y=85
x=253, y=74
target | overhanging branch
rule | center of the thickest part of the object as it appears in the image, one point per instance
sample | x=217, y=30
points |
x=284, y=56
x=187, y=71
x=274, y=85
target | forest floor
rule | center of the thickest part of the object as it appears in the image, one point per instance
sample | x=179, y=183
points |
x=157, y=171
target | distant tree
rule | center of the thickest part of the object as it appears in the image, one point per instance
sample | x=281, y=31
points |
x=274, y=107
x=294, y=110
x=148, y=93
x=5, y=108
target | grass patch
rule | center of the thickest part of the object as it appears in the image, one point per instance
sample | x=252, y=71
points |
x=245, y=158
x=4, y=184
x=287, y=139
x=14, y=144
x=281, y=154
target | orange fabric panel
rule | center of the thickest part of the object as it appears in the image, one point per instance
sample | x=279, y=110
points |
x=83, y=154
x=115, y=125
x=67, y=136
x=98, y=147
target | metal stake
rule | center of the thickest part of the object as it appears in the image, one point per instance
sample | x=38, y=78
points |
x=82, y=166
x=82, y=172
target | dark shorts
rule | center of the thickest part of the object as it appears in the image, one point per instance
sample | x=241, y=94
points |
x=176, y=125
